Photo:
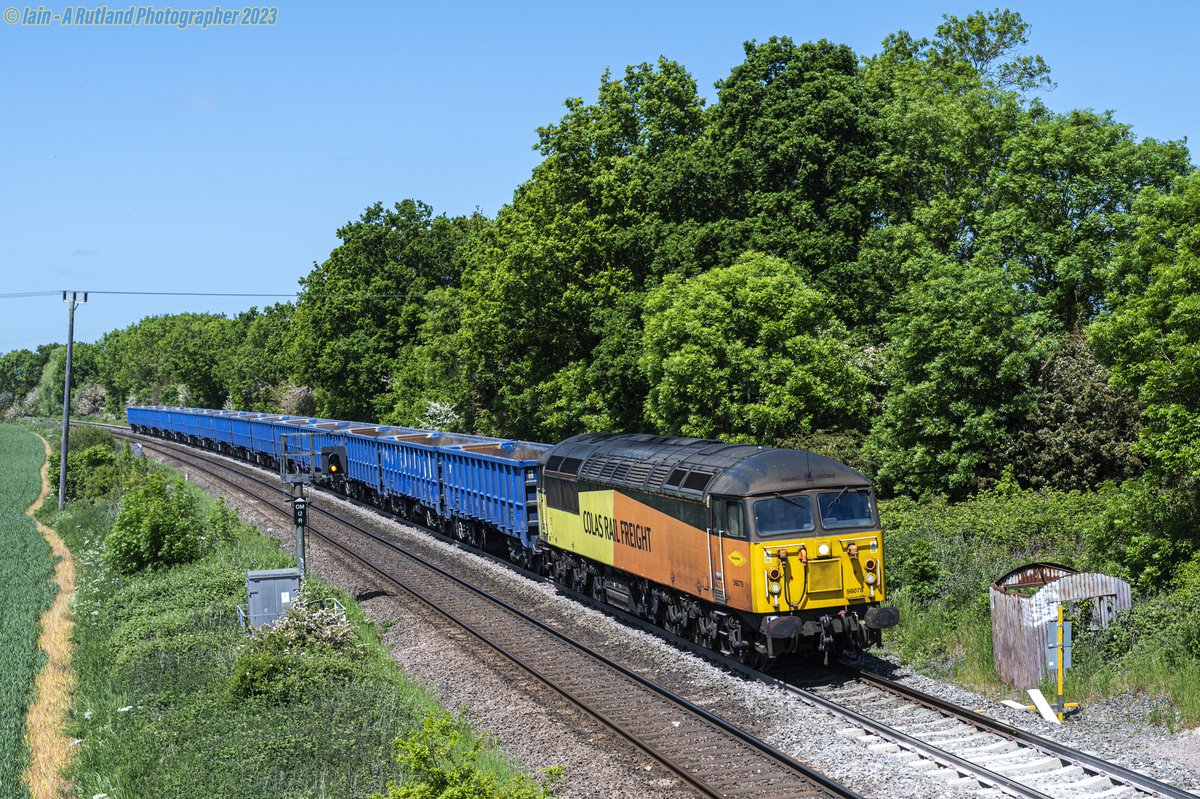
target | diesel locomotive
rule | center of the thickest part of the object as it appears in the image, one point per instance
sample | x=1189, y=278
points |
x=751, y=551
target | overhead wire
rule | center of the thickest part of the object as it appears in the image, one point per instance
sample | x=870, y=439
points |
x=340, y=295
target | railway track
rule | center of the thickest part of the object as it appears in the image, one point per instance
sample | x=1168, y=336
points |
x=957, y=747
x=715, y=757
x=968, y=750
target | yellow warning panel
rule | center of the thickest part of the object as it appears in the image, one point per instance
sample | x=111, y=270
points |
x=824, y=575
x=737, y=558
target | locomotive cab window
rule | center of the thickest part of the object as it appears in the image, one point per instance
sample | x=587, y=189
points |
x=846, y=508
x=732, y=519
x=783, y=515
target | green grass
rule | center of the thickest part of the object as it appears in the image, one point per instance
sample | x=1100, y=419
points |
x=155, y=710
x=25, y=592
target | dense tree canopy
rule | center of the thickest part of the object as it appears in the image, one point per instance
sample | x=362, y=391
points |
x=361, y=306
x=906, y=259
x=749, y=352
x=960, y=362
x=1152, y=336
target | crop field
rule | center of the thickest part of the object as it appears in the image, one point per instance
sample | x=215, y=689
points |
x=25, y=592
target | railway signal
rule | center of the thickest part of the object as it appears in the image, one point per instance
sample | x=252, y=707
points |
x=333, y=461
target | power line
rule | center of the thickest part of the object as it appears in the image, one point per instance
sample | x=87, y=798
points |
x=367, y=296
x=190, y=294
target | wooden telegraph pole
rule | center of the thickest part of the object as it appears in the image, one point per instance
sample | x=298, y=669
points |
x=72, y=303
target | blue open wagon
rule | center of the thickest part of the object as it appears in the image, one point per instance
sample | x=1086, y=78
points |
x=365, y=467
x=494, y=483
x=411, y=465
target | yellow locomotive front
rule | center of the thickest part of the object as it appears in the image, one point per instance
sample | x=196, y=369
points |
x=820, y=567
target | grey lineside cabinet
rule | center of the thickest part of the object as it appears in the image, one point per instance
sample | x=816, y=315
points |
x=271, y=592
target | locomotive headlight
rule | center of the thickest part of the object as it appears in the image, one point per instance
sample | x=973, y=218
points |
x=773, y=575
x=823, y=550
x=870, y=579
x=774, y=589
x=869, y=565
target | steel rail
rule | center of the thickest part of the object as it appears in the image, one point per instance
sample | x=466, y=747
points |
x=819, y=781
x=1076, y=757
x=1090, y=763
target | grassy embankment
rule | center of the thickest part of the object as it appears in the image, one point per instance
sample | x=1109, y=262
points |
x=942, y=557
x=175, y=700
x=25, y=592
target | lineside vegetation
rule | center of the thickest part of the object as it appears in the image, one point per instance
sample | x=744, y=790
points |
x=905, y=259
x=174, y=699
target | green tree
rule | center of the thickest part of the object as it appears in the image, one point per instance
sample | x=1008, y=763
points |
x=1152, y=336
x=159, y=524
x=968, y=165
x=359, y=308
x=1081, y=429
x=547, y=279
x=749, y=352
x=20, y=371
x=793, y=138
x=962, y=347
x=170, y=359
x=987, y=43
x=257, y=367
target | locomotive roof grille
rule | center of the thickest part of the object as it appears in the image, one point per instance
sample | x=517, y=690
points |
x=691, y=467
x=570, y=465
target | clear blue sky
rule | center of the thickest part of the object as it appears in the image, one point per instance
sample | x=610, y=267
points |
x=158, y=159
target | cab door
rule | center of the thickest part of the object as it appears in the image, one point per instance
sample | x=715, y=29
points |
x=726, y=533
x=716, y=550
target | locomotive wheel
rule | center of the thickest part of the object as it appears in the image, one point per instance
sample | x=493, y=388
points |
x=675, y=617
x=705, y=628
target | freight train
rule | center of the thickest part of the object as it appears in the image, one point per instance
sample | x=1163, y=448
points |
x=751, y=551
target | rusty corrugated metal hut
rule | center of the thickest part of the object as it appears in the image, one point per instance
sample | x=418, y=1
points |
x=1025, y=608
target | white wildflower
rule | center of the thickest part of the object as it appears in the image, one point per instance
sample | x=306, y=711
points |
x=125, y=709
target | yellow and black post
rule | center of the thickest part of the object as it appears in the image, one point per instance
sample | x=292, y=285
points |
x=1063, y=654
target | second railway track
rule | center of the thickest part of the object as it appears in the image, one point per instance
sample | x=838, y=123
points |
x=971, y=750
x=714, y=756
x=968, y=753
